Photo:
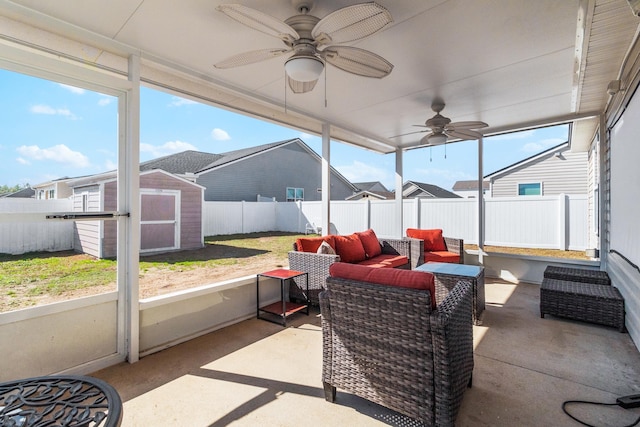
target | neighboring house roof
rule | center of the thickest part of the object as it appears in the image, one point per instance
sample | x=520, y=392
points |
x=421, y=189
x=374, y=186
x=25, y=193
x=531, y=159
x=189, y=161
x=380, y=195
x=193, y=162
x=55, y=181
x=469, y=185
x=112, y=175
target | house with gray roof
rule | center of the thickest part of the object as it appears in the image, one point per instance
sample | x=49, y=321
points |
x=372, y=190
x=281, y=171
x=414, y=189
x=557, y=170
x=469, y=189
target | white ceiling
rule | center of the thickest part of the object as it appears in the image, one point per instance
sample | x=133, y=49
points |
x=508, y=63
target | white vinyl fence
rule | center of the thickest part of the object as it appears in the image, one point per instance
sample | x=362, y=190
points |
x=23, y=227
x=553, y=222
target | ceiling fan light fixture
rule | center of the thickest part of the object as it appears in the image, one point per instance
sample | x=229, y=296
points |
x=437, y=139
x=304, y=68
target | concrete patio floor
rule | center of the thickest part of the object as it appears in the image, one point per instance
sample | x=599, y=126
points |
x=256, y=373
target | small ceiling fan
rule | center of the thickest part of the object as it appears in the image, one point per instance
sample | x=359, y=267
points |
x=314, y=41
x=440, y=128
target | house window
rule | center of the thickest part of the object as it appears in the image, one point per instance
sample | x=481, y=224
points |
x=52, y=194
x=85, y=203
x=295, y=194
x=530, y=189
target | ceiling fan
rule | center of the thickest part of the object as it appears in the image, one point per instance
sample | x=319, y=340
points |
x=314, y=41
x=440, y=128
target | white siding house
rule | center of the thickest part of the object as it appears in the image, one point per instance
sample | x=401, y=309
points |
x=555, y=171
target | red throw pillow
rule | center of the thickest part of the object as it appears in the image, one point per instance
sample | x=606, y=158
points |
x=370, y=243
x=385, y=276
x=433, y=240
x=350, y=248
x=311, y=244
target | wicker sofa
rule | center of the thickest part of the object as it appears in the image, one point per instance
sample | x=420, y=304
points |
x=387, y=344
x=434, y=247
x=305, y=256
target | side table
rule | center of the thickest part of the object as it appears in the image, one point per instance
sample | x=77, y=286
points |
x=283, y=308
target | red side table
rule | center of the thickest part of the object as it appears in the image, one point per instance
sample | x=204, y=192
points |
x=281, y=309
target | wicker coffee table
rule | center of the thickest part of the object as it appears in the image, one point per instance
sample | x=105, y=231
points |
x=447, y=275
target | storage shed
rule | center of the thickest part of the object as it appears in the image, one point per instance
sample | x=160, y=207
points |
x=170, y=213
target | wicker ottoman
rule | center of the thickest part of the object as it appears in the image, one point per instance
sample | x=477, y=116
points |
x=589, y=302
x=577, y=275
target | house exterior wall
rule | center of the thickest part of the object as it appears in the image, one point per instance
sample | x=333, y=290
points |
x=566, y=174
x=269, y=174
x=87, y=234
x=593, y=194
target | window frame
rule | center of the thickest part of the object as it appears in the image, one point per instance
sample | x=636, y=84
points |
x=296, y=196
x=519, y=184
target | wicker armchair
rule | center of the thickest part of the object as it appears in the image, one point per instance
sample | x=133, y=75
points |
x=385, y=344
x=453, y=245
x=317, y=265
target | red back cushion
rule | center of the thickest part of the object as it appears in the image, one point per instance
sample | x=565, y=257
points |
x=385, y=276
x=433, y=240
x=370, y=243
x=349, y=248
x=311, y=244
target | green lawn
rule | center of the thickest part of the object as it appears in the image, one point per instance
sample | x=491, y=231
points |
x=26, y=279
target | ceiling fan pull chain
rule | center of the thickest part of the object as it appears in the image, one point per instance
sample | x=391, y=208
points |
x=430, y=152
x=285, y=92
x=445, y=150
x=325, y=88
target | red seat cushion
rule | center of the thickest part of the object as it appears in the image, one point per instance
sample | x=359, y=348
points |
x=370, y=243
x=433, y=240
x=441, y=256
x=385, y=276
x=392, y=261
x=350, y=248
x=311, y=244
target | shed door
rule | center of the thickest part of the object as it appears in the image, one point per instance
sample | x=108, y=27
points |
x=159, y=220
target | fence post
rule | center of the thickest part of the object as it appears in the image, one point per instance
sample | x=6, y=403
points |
x=367, y=213
x=562, y=222
x=416, y=212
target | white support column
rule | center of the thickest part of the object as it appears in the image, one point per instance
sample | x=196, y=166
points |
x=399, y=227
x=129, y=201
x=562, y=222
x=326, y=179
x=480, y=203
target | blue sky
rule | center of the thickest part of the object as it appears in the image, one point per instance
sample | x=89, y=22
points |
x=51, y=130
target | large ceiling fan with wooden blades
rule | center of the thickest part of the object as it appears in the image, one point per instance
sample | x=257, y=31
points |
x=439, y=128
x=311, y=42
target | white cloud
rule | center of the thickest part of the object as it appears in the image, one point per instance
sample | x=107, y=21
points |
x=58, y=153
x=361, y=172
x=536, y=147
x=176, y=101
x=73, y=89
x=220, y=135
x=167, y=148
x=513, y=135
x=444, y=178
x=109, y=165
x=306, y=136
x=23, y=161
x=104, y=101
x=46, y=109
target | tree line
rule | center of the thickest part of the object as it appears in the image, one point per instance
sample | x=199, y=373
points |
x=4, y=189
